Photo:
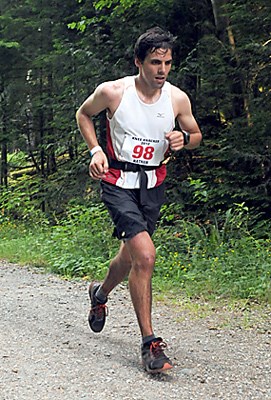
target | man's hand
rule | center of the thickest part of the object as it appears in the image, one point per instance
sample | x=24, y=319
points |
x=98, y=166
x=176, y=140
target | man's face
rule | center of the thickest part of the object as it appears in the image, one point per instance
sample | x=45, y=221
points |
x=155, y=68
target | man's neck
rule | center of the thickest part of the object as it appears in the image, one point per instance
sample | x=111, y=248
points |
x=146, y=93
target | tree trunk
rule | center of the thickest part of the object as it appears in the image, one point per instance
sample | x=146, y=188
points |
x=221, y=21
x=3, y=140
x=50, y=140
x=225, y=34
x=4, y=165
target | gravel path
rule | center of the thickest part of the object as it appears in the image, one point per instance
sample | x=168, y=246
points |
x=47, y=350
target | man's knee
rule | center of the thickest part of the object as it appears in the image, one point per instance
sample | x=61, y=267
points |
x=142, y=252
x=144, y=262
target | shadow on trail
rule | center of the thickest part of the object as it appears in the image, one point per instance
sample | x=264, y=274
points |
x=125, y=351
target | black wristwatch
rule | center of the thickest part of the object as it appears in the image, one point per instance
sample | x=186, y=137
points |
x=186, y=138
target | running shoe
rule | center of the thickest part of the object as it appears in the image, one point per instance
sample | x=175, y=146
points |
x=98, y=311
x=153, y=357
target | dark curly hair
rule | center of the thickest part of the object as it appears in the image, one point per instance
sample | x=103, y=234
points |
x=152, y=39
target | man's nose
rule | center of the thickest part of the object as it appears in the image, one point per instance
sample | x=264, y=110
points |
x=162, y=68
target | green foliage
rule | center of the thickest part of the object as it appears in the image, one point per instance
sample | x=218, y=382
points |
x=51, y=58
x=210, y=260
x=79, y=245
x=9, y=45
x=47, y=70
x=233, y=96
x=195, y=260
x=22, y=202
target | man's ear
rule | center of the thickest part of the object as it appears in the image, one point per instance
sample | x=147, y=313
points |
x=137, y=62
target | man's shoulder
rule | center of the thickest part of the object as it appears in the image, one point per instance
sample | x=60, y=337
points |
x=177, y=93
x=180, y=100
x=112, y=89
x=111, y=93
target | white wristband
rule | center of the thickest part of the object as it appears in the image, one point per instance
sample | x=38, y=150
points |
x=95, y=150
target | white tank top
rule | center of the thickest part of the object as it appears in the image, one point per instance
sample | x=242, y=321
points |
x=137, y=133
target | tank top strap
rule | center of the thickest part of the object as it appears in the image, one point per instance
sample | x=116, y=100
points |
x=129, y=81
x=167, y=89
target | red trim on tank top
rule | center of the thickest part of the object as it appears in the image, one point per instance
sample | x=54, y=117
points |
x=114, y=174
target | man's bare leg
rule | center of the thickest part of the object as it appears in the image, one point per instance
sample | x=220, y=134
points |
x=142, y=252
x=119, y=269
x=135, y=258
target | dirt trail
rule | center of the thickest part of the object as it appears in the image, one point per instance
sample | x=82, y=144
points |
x=48, y=352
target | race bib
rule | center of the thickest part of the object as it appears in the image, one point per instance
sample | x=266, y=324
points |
x=143, y=151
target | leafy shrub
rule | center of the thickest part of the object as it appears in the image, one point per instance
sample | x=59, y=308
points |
x=215, y=260
x=200, y=260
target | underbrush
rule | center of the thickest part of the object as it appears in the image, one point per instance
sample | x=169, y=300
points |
x=210, y=260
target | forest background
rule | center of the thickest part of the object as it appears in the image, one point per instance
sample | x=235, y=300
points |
x=213, y=237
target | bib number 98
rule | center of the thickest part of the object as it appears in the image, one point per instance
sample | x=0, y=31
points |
x=145, y=152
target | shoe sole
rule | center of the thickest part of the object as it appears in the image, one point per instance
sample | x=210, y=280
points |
x=166, y=367
x=91, y=326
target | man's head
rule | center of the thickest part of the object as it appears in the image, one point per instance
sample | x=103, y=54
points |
x=151, y=40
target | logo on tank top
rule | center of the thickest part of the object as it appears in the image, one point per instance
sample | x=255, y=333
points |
x=160, y=115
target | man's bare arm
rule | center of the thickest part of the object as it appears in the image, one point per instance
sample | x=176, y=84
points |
x=186, y=120
x=98, y=101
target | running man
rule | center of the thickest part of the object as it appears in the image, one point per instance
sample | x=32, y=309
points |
x=142, y=111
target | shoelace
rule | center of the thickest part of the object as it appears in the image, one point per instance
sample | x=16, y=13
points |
x=99, y=310
x=157, y=348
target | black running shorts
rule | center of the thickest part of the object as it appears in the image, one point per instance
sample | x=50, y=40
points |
x=129, y=216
